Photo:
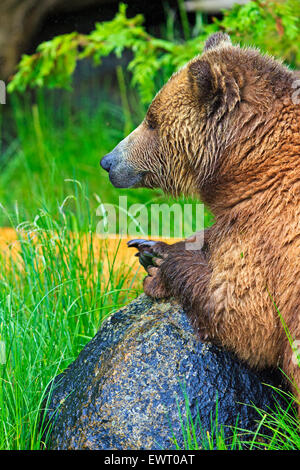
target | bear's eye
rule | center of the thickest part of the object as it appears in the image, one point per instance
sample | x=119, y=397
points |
x=151, y=123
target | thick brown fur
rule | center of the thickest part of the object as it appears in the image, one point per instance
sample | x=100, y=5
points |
x=225, y=128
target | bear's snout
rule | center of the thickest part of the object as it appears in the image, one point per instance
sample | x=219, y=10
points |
x=121, y=173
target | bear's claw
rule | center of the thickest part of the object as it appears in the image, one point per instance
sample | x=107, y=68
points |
x=140, y=241
x=146, y=257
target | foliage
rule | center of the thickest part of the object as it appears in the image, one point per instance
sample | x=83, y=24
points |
x=273, y=26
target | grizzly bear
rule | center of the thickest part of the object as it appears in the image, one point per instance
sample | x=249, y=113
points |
x=226, y=128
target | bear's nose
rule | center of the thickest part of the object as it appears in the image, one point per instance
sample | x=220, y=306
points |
x=106, y=161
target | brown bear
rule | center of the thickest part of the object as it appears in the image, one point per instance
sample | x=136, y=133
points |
x=226, y=128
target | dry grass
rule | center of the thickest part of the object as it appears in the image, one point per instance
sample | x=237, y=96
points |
x=117, y=254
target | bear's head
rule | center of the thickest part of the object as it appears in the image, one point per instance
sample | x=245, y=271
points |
x=206, y=111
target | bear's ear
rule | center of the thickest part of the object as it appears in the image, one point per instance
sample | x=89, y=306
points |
x=201, y=76
x=215, y=40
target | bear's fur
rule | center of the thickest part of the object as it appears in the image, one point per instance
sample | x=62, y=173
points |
x=225, y=127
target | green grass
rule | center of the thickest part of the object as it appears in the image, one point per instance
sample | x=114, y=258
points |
x=55, y=142
x=52, y=304
x=276, y=429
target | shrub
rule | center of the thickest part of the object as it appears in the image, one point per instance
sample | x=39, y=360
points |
x=273, y=26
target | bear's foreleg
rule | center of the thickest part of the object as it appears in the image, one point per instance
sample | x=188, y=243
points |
x=175, y=271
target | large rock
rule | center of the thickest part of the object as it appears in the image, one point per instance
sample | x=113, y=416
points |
x=125, y=389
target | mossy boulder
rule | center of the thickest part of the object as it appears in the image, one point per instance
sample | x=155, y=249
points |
x=129, y=387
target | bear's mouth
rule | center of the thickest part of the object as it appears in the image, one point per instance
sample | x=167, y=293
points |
x=121, y=179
